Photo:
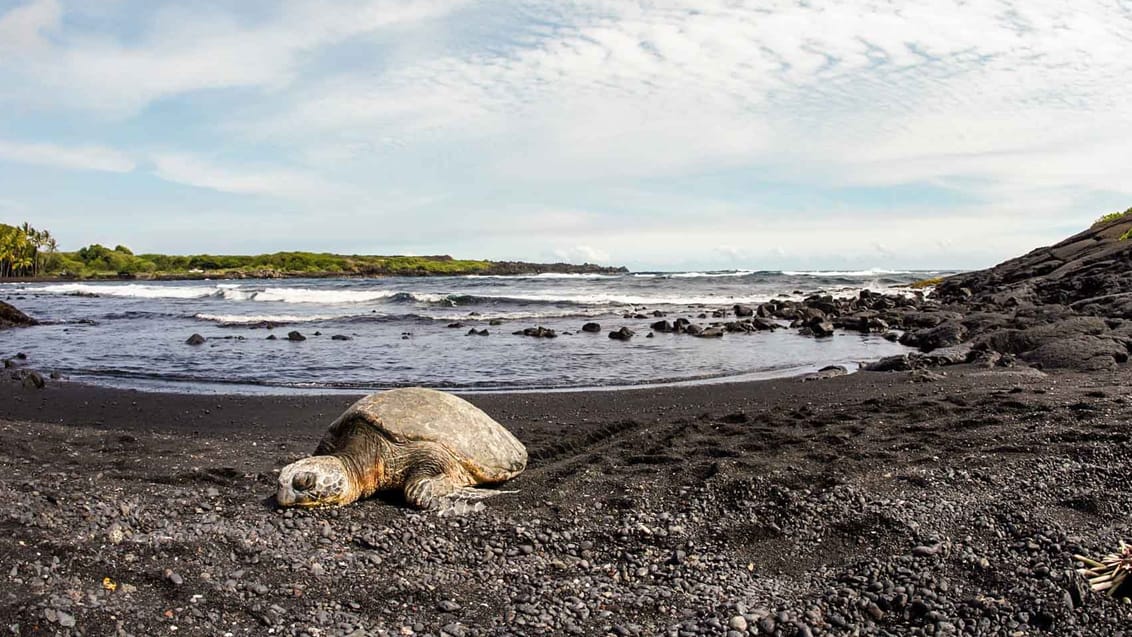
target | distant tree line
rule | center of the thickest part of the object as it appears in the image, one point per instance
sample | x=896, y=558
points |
x=25, y=251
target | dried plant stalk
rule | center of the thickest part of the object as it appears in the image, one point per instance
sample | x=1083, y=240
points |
x=1110, y=573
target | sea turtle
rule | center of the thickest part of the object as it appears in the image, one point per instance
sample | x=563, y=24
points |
x=430, y=444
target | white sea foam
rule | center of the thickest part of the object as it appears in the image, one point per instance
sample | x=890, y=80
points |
x=547, y=275
x=130, y=290
x=324, y=297
x=869, y=272
x=717, y=274
x=634, y=299
x=581, y=295
x=710, y=275
x=566, y=275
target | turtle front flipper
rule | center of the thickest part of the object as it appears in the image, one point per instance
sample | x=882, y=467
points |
x=425, y=490
x=441, y=492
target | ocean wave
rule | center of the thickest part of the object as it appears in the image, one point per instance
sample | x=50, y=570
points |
x=136, y=314
x=832, y=273
x=527, y=301
x=309, y=295
x=711, y=275
x=130, y=290
x=246, y=319
x=236, y=320
x=574, y=275
x=621, y=300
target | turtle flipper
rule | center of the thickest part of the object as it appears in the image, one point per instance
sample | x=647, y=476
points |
x=466, y=500
x=439, y=491
x=425, y=491
x=472, y=493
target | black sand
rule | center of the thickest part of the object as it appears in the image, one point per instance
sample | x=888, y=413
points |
x=865, y=504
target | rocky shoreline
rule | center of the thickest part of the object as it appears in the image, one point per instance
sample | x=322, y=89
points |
x=936, y=493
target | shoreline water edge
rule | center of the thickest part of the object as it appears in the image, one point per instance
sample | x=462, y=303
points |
x=466, y=333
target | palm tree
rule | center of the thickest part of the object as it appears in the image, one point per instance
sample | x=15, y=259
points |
x=13, y=248
x=31, y=243
x=52, y=247
x=8, y=245
x=39, y=240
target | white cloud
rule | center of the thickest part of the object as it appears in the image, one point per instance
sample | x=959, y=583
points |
x=582, y=254
x=21, y=29
x=551, y=125
x=72, y=157
x=859, y=92
x=245, y=180
x=183, y=50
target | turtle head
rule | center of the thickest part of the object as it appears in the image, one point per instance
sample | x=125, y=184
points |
x=315, y=481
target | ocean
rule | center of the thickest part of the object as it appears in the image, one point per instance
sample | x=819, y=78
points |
x=402, y=331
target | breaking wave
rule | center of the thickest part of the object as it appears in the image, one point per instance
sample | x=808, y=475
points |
x=838, y=273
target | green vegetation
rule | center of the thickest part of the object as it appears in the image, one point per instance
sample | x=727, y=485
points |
x=25, y=251
x=1113, y=216
x=99, y=261
x=1116, y=216
x=926, y=283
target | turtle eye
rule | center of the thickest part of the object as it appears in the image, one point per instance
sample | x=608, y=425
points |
x=304, y=481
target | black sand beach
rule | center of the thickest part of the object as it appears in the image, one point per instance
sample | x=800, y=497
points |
x=866, y=504
x=944, y=499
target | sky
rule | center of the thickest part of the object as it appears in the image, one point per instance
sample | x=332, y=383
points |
x=660, y=135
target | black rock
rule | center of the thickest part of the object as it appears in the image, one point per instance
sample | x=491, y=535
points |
x=341, y=337
x=33, y=380
x=537, y=332
x=946, y=334
x=12, y=317
x=821, y=328
x=195, y=339
x=1080, y=353
x=765, y=324
x=743, y=310
x=899, y=363
x=830, y=371
x=622, y=334
x=591, y=327
x=294, y=335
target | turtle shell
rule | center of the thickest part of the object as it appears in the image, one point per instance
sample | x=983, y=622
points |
x=418, y=414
